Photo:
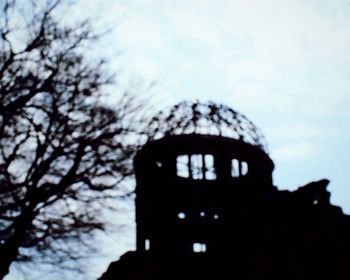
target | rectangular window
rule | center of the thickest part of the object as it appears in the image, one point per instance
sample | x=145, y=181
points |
x=244, y=168
x=196, y=166
x=147, y=244
x=209, y=167
x=182, y=166
x=235, y=168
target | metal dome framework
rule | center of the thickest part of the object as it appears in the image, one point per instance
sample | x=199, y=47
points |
x=207, y=119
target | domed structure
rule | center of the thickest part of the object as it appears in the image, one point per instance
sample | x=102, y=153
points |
x=204, y=119
x=206, y=207
x=202, y=162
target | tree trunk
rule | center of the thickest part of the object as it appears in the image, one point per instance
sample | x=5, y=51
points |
x=10, y=249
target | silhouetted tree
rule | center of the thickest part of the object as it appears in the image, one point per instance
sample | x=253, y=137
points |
x=62, y=153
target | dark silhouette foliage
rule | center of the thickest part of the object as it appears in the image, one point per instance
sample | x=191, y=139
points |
x=62, y=152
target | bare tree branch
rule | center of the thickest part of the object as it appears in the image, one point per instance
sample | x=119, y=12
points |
x=63, y=153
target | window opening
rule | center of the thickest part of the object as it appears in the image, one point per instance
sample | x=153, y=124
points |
x=235, y=168
x=181, y=215
x=199, y=247
x=238, y=168
x=182, y=166
x=147, y=244
x=196, y=166
x=209, y=173
x=244, y=168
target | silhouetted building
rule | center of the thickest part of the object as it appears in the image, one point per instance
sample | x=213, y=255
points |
x=206, y=207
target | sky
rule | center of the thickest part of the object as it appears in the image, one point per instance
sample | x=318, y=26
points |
x=285, y=64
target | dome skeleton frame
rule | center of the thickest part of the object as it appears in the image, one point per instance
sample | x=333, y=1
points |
x=205, y=118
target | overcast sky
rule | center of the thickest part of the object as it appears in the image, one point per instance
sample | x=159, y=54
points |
x=285, y=64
